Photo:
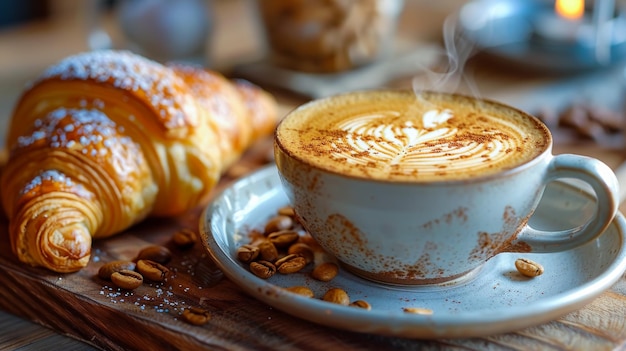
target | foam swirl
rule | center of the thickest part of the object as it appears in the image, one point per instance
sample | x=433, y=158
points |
x=401, y=136
x=404, y=148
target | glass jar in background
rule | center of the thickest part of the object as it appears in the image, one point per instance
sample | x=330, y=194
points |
x=326, y=36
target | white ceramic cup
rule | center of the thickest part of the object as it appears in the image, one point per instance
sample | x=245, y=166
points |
x=426, y=232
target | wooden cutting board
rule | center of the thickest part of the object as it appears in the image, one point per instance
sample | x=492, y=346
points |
x=87, y=308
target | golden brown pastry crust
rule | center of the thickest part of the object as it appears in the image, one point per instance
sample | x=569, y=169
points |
x=104, y=139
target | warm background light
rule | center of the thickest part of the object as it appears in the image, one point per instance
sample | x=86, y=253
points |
x=571, y=9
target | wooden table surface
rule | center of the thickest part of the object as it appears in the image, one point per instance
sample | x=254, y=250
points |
x=26, y=50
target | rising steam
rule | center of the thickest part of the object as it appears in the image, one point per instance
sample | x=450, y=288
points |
x=451, y=73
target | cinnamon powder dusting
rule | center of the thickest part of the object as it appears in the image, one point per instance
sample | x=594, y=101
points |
x=491, y=244
x=350, y=244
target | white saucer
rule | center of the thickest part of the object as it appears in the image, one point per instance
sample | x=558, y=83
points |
x=494, y=299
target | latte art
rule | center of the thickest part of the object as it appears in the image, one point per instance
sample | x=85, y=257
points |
x=404, y=148
x=400, y=136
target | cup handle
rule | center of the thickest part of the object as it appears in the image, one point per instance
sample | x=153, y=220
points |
x=605, y=186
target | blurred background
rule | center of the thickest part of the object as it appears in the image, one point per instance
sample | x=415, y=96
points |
x=522, y=52
x=562, y=60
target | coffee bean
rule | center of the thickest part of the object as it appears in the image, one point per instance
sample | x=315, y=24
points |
x=196, y=316
x=152, y=270
x=361, y=304
x=338, y=296
x=109, y=268
x=262, y=269
x=283, y=238
x=418, y=310
x=528, y=268
x=127, y=279
x=156, y=253
x=287, y=211
x=247, y=253
x=325, y=272
x=300, y=290
x=278, y=223
x=303, y=250
x=267, y=251
x=184, y=238
x=238, y=170
x=290, y=264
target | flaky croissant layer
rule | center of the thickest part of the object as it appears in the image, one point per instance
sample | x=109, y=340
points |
x=104, y=139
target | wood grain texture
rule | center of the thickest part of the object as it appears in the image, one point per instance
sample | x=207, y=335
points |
x=87, y=308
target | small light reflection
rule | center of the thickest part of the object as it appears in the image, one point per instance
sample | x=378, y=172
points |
x=570, y=9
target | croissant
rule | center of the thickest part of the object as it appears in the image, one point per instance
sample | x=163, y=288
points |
x=104, y=139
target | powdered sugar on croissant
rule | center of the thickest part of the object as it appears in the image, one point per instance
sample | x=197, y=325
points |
x=104, y=139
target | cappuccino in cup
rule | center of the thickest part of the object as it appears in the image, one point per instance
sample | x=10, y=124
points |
x=398, y=136
x=424, y=188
